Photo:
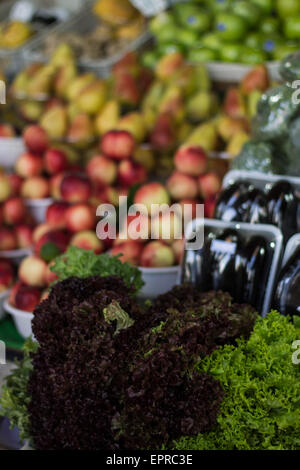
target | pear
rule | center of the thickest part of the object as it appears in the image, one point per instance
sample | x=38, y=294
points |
x=236, y=143
x=62, y=55
x=55, y=122
x=173, y=103
x=78, y=85
x=149, y=118
x=205, y=136
x=31, y=110
x=108, y=118
x=64, y=76
x=168, y=64
x=201, y=106
x=16, y=34
x=81, y=130
x=93, y=97
x=19, y=85
x=184, y=131
x=227, y=127
x=72, y=154
x=133, y=123
x=154, y=96
x=202, y=77
x=144, y=156
x=253, y=100
x=234, y=103
x=40, y=85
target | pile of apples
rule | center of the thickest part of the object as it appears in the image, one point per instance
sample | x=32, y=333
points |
x=7, y=274
x=16, y=223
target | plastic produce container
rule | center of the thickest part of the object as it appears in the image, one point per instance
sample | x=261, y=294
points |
x=272, y=235
x=11, y=59
x=158, y=281
x=10, y=150
x=38, y=208
x=3, y=297
x=290, y=249
x=259, y=180
x=16, y=256
x=22, y=319
x=84, y=23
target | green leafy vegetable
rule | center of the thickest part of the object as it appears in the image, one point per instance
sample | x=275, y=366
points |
x=261, y=408
x=14, y=398
x=76, y=262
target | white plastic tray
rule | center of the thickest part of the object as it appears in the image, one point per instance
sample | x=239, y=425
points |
x=158, y=281
x=38, y=208
x=16, y=256
x=270, y=233
x=3, y=297
x=21, y=319
x=290, y=249
x=10, y=150
x=234, y=73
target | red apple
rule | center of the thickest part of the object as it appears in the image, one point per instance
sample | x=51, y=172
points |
x=209, y=184
x=182, y=186
x=191, y=160
x=55, y=161
x=56, y=214
x=131, y=173
x=40, y=230
x=7, y=130
x=76, y=188
x=24, y=235
x=27, y=298
x=118, y=144
x=178, y=248
x=130, y=252
x=6, y=275
x=36, y=139
x=80, y=217
x=157, y=255
x=102, y=170
x=209, y=207
x=14, y=211
x=105, y=195
x=16, y=183
x=59, y=238
x=150, y=196
x=88, y=240
x=29, y=165
x=50, y=275
x=13, y=292
x=36, y=187
x=55, y=182
x=32, y=271
x=8, y=239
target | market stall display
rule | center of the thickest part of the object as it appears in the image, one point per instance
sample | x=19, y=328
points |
x=149, y=224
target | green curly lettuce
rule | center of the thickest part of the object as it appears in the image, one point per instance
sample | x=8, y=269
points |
x=76, y=262
x=261, y=408
x=14, y=398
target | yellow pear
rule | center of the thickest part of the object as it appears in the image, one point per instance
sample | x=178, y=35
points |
x=81, y=130
x=55, y=122
x=236, y=143
x=63, y=77
x=63, y=54
x=205, y=136
x=145, y=156
x=93, y=97
x=78, y=85
x=108, y=118
x=40, y=84
x=133, y=123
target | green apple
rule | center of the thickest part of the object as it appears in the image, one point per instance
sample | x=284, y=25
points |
x=271, y=43
x=251, y=56
x=170, y=48
x=270, y=25
x=187, y=37
x=218, y=6
x=254, y=40
x=250, y=12
x=284, y=50
x=161, y=21
x=212, y=41
x=231, y=27
x=291, y=28
x=202, y=54
x=231, y=52
x=167, y=34
x=287, y=8
x=191, y=16
x=149, y=59
x=267, y=6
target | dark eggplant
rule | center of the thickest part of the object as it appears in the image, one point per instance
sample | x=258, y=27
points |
x=196, y=266
x=287, y=294
x=229, y=204
x=282, y=208
x=256, y=261
x=223, y=251
x=255, y=208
